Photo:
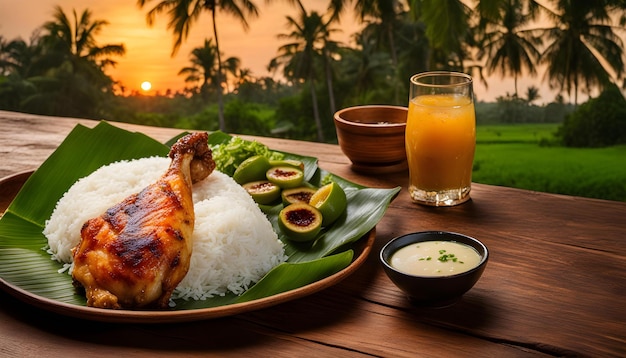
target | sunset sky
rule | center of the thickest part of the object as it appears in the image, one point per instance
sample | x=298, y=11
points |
x=148, y=49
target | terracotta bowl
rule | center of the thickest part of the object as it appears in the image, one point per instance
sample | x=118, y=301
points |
x=372, y=137
x=433, y=291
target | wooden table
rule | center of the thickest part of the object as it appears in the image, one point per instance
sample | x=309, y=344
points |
x=555, y=283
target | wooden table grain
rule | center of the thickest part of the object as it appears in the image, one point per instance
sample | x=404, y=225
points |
x=555, y=284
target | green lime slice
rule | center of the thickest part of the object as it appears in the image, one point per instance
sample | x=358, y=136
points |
x=252, y=169
x=301, y=194
x=331, y=201
x=263, y=191
x=300, y=222
x=287, y=163
x=285, y=176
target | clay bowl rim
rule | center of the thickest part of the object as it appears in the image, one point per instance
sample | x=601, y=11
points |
x=347, y=123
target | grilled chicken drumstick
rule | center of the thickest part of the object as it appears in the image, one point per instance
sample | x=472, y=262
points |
x=137, y=252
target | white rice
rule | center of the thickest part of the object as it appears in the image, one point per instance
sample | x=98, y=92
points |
x=234, y=243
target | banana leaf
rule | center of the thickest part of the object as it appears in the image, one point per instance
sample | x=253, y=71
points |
x=25, y=264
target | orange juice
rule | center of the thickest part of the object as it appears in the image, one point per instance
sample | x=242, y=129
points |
x=440, y=143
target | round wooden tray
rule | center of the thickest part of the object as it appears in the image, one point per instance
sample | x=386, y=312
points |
x=10, y=186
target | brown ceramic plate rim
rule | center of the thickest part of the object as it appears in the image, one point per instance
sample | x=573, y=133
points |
x=13, y=183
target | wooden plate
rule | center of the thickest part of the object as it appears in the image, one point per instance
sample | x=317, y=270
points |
x=10, y=186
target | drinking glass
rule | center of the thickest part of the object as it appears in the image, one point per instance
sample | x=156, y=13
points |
x=440, y=138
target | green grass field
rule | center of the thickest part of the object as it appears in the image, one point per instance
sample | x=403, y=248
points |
x=515, y=133
x=510, y=155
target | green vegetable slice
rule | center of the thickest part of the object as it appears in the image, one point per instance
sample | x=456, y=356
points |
x=300, y=222
x=263, y=191
x=331, y=201
x=300, y=194
x=252, y=169
x=285, y=177
x=287, y=162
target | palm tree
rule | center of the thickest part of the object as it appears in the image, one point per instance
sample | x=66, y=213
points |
x=244, y=76
x=16, y=68
x=299, y=57
x=61, y=72
x=447, y=29
x=329, y=47
x=383, y=18
x=508, y=47
x=328, y=50
x=183, y=13
x=367, y=69
x=5, y=57
x=75, y=40
x=232, y=67
x=385, y=12
x=203, y=67
x=583, y=48
x=532, y=94
x=12, y=57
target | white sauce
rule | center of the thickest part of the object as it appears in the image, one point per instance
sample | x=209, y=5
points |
x=435, y=258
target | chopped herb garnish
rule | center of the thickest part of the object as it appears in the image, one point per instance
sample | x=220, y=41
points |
x=448, y=257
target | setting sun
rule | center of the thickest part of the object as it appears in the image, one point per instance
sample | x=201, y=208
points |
x=146, y=86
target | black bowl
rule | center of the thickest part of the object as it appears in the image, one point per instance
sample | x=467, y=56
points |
x=434, y=291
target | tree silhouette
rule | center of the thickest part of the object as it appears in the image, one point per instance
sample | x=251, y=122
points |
x=19, y=58
x=367, y=69
x=203, y=69
x=232, y=68
x=75, y=40
x=61, y=70
x=532, y=94
x=510, y=48
x=582, y=46
x=298, y=58
x=184, y=13
x=18, y=64
x=383, y=19
x=447, y=29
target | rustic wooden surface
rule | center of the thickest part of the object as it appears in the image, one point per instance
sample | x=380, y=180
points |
x=554, y=285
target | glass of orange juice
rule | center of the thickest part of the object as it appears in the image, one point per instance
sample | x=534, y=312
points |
x=440, y=138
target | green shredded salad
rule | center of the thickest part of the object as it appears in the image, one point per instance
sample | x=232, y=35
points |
x=228, y=156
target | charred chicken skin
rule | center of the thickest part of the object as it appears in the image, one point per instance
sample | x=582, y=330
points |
x=135, y=254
